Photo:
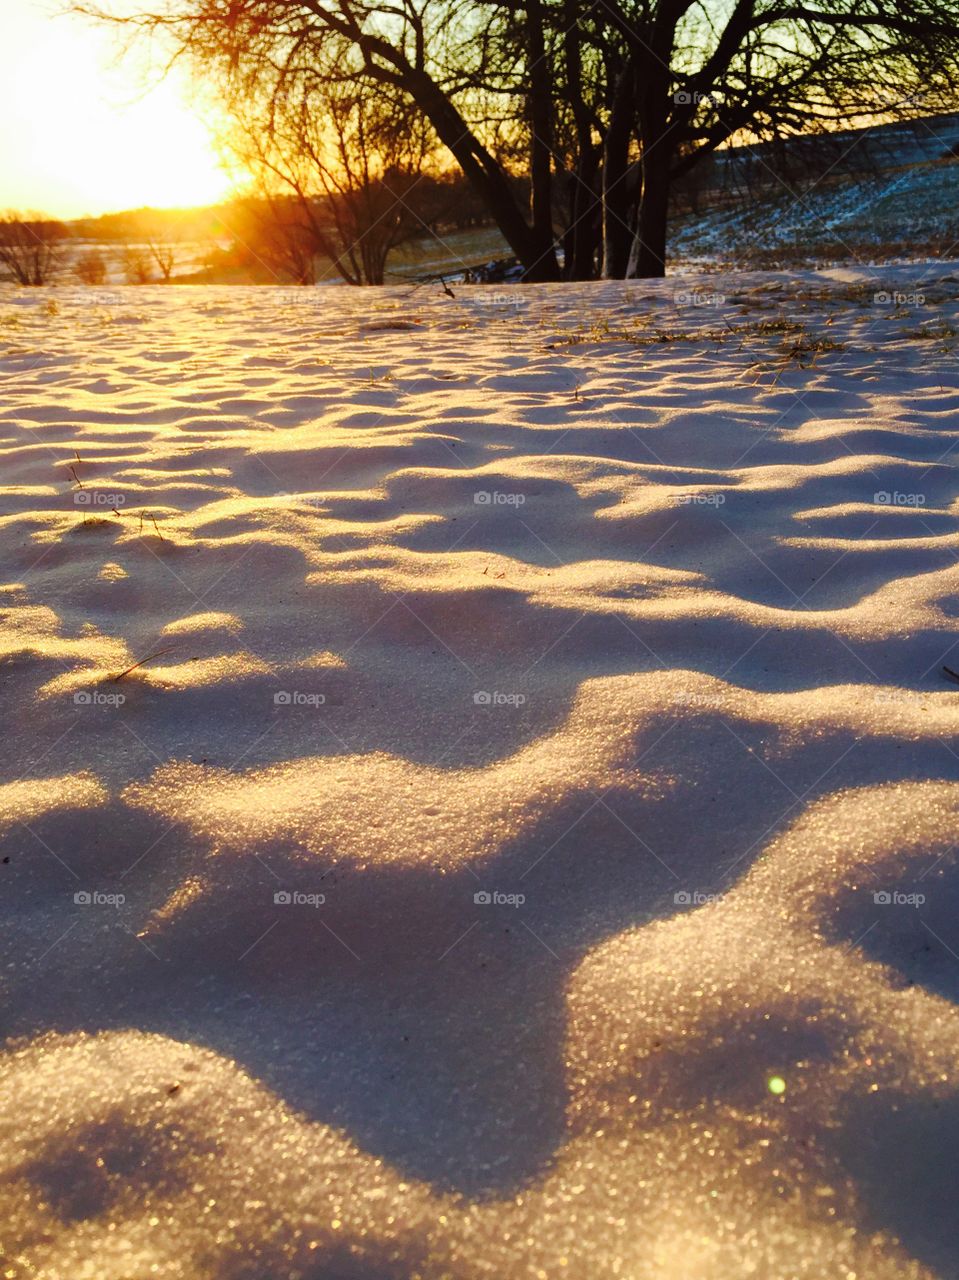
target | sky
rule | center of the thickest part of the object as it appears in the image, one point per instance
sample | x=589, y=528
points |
x=83, y=133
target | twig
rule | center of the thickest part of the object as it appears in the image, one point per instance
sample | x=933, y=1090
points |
x=158, y=653
x=151, y=516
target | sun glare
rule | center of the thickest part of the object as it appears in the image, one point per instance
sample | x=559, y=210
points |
x=88, y=134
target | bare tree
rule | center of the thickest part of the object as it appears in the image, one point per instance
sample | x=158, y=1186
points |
x=137, y=264
x=601, y=106
x=31, y=247
x=90, y=267
x=700, y=76
x=349, y=152
x=274, y=234
x=163, y=251
x=424, y=52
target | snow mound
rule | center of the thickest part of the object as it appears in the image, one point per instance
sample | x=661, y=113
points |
x=478, y=781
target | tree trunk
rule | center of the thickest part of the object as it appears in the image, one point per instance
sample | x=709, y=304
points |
x=649, y=252
x=582, y=235
x=540, y=100
x=617, y=228
x=534, y=250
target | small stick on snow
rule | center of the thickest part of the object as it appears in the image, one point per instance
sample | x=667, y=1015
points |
x=158, y=653
x=953, y=675
x=152, y=517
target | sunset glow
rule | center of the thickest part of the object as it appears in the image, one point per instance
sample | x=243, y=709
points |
x=85, y=133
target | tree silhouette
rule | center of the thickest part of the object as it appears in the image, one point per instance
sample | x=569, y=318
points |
x=600, y=104
x=347, y=155
x=163, y=251
x=90, y=267
x=137, y=264
x=31, y=247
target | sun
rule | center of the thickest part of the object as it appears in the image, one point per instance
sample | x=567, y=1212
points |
x=94, y=134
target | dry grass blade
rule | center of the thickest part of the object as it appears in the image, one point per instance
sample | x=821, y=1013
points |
x=149, y=516
x=157, y=653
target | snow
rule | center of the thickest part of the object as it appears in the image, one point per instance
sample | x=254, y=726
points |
x=839, y=215
x=523, y=840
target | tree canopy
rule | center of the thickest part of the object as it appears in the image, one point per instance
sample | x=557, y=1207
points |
x=597, y=105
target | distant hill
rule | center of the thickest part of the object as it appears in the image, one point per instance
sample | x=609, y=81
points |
x=881, y=192
x=849, y=151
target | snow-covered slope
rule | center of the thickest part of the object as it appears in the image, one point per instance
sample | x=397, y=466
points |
x=478, y=781
x=887, y=214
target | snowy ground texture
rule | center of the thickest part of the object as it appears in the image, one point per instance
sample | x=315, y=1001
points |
x=840, y=217
x=623, y=604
